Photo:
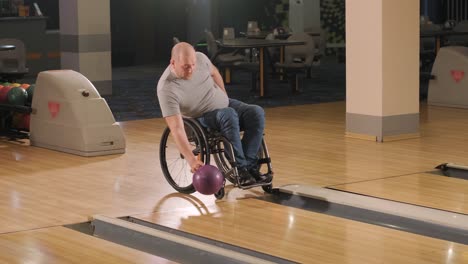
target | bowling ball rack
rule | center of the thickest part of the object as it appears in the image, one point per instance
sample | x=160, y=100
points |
x=6, y=116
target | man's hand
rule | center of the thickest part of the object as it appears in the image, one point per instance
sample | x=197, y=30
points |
x=195, y=165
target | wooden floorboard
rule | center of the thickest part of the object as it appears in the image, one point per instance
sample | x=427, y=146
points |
x=63, y=245
x=308, y=237
x=425, y=189
x=43, y=188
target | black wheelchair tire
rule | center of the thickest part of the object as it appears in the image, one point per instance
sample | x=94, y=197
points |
x=204, y=151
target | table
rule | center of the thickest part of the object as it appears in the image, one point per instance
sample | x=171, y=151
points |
x=7, y=47
x=264, y=34
x=439, y=35
x=313, y=33
x=260, y=44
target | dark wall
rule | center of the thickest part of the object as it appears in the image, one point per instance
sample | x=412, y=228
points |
x=142, y=31
x=123, y=34
x=199, y=19
x=435, y=10
x=49, y=8
x=237, y=13
x=171, y=21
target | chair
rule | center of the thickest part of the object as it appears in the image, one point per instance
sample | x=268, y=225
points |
x=216, y=56
x=462, y=26
x=253, y=67
x=175, y=40
x=13, y=62
x=459, y=40
x=273, y=53
x=282, y=32
x=320, y=37
x=427, y=47
x=298, y=59
x=320, y=45
x=206, y=144
x=221, y=60
x=245, y=64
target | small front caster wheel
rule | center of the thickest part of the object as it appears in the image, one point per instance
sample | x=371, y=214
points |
x=219, y=194
x=267, y=188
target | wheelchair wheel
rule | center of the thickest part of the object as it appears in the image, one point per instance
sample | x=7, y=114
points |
x=220, y=194
x=264, y=159
x=175, y=168
x=267, y=188
x=223, y=161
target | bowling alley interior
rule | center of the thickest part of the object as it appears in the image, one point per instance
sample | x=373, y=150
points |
x=234, y=131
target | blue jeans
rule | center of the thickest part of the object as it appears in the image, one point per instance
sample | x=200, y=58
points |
x=230, y=121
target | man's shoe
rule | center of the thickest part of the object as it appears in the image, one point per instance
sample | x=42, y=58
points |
x=260, y=178
x=245, y=179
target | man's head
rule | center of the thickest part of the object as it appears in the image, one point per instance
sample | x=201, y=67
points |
x=183, y=60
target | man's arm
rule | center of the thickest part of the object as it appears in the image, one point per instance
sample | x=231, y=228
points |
x=176, y=125
x=218, y=79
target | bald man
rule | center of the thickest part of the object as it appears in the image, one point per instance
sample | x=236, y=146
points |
x=191, y=86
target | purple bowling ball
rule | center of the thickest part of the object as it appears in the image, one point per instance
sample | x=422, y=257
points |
x=208, y=180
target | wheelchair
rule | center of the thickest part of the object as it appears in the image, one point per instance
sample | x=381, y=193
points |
x=206, y=143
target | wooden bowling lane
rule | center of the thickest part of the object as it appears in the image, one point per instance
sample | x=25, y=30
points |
x=41, y=187
x=63, y=245
x=307, y=237
x=425, y=189
x=310, y=147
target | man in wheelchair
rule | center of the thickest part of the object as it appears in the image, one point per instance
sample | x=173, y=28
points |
x=191, y=86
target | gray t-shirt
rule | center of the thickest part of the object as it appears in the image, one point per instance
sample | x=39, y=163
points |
x=193, y=97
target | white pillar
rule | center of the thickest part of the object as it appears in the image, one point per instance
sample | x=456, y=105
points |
x=382, y=69
x=86, y=40
x=296, y=15
x=312, y=15
x=304, y=15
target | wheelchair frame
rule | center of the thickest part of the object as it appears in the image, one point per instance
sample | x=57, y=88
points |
x=205, y=143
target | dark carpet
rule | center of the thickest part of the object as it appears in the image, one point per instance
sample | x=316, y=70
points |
x=134, y=89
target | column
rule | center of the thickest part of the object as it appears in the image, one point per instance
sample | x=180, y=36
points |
x=198, y=19
x=304, y=15
x=296, y=15
x=86, y=40
x=382, y=69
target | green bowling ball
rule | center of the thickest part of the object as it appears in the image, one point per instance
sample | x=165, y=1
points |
x=30, y=91
x=17, y=96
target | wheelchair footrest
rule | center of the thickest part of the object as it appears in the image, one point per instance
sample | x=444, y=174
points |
x=255, y=185
x=264, y=160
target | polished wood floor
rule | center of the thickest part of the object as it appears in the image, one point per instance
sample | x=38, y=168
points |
x=63, y=245
x=307, y=237
x=41, y=190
